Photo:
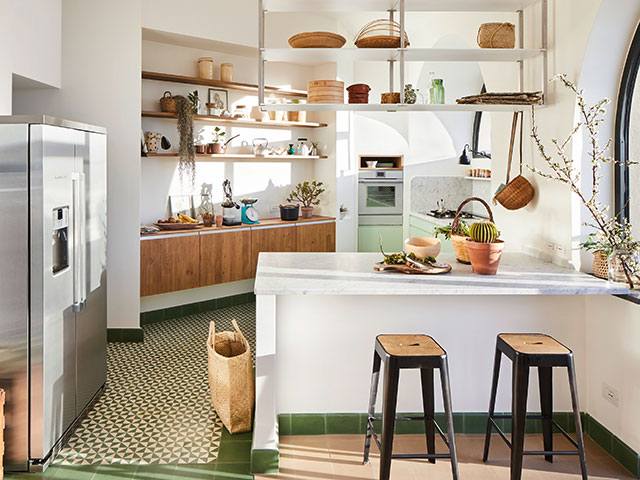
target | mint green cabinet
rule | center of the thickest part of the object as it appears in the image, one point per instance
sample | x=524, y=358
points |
x=368, y=238
x=419, y=227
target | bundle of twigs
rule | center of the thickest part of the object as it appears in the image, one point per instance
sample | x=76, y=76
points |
x=503, y=98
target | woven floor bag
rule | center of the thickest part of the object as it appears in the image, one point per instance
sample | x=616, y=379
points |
x=231, y=378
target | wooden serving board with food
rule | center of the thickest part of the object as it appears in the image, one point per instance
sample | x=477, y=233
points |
x=183, y=222
x=433, y=270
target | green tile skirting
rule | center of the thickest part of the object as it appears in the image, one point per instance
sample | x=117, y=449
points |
x=355, y=423
x=125, y=335
x=264, y=460
x=154, y=316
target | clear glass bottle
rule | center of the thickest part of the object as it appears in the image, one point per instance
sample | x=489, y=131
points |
x=302, y=148
x=436, y=92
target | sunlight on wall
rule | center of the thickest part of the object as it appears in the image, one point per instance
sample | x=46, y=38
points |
x=260, y=177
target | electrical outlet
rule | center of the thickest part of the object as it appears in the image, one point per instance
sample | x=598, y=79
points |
x=551, y=246
x=275, y=210
x=560, y=249
x=610, y=394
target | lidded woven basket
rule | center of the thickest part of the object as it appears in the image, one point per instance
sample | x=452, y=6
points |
x=497, y=35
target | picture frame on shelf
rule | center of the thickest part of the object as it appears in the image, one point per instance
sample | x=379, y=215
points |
x=181, y=204
x=219, y=98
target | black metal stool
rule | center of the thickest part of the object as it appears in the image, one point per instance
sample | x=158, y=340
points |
x=544, y=352
x=409, y=351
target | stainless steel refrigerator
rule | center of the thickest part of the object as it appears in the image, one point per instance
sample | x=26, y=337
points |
x=52, y=280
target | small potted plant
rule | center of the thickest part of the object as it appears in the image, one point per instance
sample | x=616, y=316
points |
x=458, y=237
x=307, y=194
x=218, y=144
x=485, y=250
x=601, y=249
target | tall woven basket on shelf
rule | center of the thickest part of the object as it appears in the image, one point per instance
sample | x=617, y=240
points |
x=600, y=265
x=460, y=241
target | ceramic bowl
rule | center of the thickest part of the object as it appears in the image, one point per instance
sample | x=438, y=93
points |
x=422, y=247
x=372, y=163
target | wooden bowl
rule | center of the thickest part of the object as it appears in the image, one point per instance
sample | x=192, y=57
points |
x=422, y=247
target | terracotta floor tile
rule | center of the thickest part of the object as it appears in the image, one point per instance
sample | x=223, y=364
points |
x=339, y=457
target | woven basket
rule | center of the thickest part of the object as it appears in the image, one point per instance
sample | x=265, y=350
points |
x=168, y=103
x=517, y=193
x=390, y=97
x=497, y=35
x=600, y=265
x=460, y=241
x=381, y=33
x=325, y=91
x=317, y=40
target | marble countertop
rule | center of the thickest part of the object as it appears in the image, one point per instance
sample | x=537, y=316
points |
x=444, y=222
x=352, y=274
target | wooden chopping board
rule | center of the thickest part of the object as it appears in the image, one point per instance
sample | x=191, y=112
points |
x=383, y=267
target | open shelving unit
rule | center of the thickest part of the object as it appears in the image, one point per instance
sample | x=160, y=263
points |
x=397, y=57
x=243, y=156
x=239, y=122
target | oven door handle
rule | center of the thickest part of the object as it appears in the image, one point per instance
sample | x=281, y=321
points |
x=380, y=180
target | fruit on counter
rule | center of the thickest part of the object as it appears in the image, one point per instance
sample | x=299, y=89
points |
x=186, y=218
x=484, y=232
x=169, y=220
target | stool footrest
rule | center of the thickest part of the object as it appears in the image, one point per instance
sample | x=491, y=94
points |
x=425, y=456
x=423, y=418
x=537, y=452
x=401, y=419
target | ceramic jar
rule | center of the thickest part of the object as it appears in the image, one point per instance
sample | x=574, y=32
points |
x=205, y=68
x=226, y=72
x=152, y=140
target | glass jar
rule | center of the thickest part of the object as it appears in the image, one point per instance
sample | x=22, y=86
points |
x=226, y=72
x=623, y=265
x=436, y=92
x=205, y=68
x=302, y=147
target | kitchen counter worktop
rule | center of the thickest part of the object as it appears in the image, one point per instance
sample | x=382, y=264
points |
x=352, y=274
x=444, y=222
x=267, y=222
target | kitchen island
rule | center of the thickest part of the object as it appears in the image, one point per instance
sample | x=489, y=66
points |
x=318, y=315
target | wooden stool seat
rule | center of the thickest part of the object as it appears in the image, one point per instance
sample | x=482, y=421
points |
x=534, y=344
x=410, y=345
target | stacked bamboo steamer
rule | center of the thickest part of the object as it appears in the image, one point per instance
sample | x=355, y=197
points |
x=325, y=91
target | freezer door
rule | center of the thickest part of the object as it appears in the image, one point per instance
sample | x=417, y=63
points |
x=53, y=322
x=91, y=320
x=14, y=292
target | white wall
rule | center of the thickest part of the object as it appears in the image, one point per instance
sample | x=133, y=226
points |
x=101, y=86
x=30, y=46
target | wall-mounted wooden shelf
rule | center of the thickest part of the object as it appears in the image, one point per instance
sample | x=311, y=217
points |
x=246, y=87
x=244, y=156
x=485, y=179
x=240, y=122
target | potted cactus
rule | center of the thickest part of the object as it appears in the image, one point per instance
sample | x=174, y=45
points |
x=485, y=250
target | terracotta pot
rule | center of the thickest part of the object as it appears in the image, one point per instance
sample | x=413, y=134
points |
x=306, y=212
x=485, y=257
x=207, y=219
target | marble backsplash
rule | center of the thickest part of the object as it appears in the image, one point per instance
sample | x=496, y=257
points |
x=427, y=190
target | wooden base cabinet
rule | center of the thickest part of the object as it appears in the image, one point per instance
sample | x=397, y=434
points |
x=316, y=237
x=172, y=262
x=225, y=256
x=169, y=263
x=278, y=238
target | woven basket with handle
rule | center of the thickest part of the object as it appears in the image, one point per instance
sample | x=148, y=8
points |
x=380, y=33
x=497, y=35
x=517, y=193
x=168, y=103
x=460, y=241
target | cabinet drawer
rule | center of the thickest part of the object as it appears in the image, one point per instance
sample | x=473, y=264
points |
x=272, y=239
x=316, y=237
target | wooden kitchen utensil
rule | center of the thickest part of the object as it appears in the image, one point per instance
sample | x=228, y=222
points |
x=518, y=192
x=460, y=241
x=434, y=270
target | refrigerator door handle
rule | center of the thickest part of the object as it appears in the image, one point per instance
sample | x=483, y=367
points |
x=77, y=294
x=83, y=242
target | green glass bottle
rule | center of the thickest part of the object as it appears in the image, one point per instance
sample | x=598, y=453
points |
x=436, y=92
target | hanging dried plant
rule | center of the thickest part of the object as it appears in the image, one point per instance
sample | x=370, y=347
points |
x=187, y=149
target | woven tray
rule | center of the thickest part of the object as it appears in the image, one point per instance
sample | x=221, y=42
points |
x=317, y=40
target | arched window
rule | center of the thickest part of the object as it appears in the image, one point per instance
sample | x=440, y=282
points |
x=627, y=141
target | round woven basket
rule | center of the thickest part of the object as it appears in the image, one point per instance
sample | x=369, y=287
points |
x=317, y=40
x=497, y=35
x=600, y=265
x=168, y=103
x=516, y=194
x=381, y=33
x=460, y=241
